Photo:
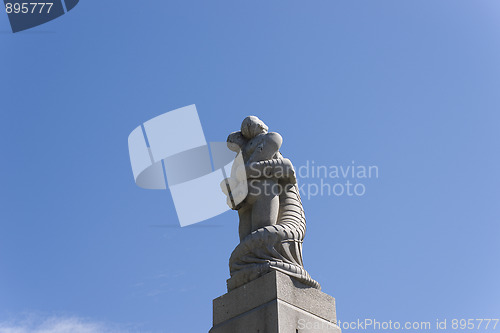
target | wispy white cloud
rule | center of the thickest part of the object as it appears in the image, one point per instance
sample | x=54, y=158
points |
x=58, y=324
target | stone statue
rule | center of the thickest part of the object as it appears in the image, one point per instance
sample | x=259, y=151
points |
x=263, y=189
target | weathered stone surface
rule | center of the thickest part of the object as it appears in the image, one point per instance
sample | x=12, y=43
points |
x=273, y=303
x=263, y=188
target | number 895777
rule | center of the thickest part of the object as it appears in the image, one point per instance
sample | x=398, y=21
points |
x=28, y=7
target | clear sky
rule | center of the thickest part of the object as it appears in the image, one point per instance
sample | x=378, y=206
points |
x=412, y=87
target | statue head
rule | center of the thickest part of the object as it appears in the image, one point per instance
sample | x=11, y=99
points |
x=253, y=126
x=236, y=141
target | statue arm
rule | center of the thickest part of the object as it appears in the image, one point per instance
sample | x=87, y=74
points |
x=281, y=168
x=267, y=148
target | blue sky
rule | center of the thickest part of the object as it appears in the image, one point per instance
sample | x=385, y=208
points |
x=409, y=86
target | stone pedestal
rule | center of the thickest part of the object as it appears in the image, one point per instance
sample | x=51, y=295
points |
x=274, y=303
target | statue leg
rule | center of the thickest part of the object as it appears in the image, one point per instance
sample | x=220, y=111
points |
x=245, y=227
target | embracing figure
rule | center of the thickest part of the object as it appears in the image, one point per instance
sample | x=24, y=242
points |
x=263, y=189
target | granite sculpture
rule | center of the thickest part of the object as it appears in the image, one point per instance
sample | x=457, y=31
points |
x=272, y=224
